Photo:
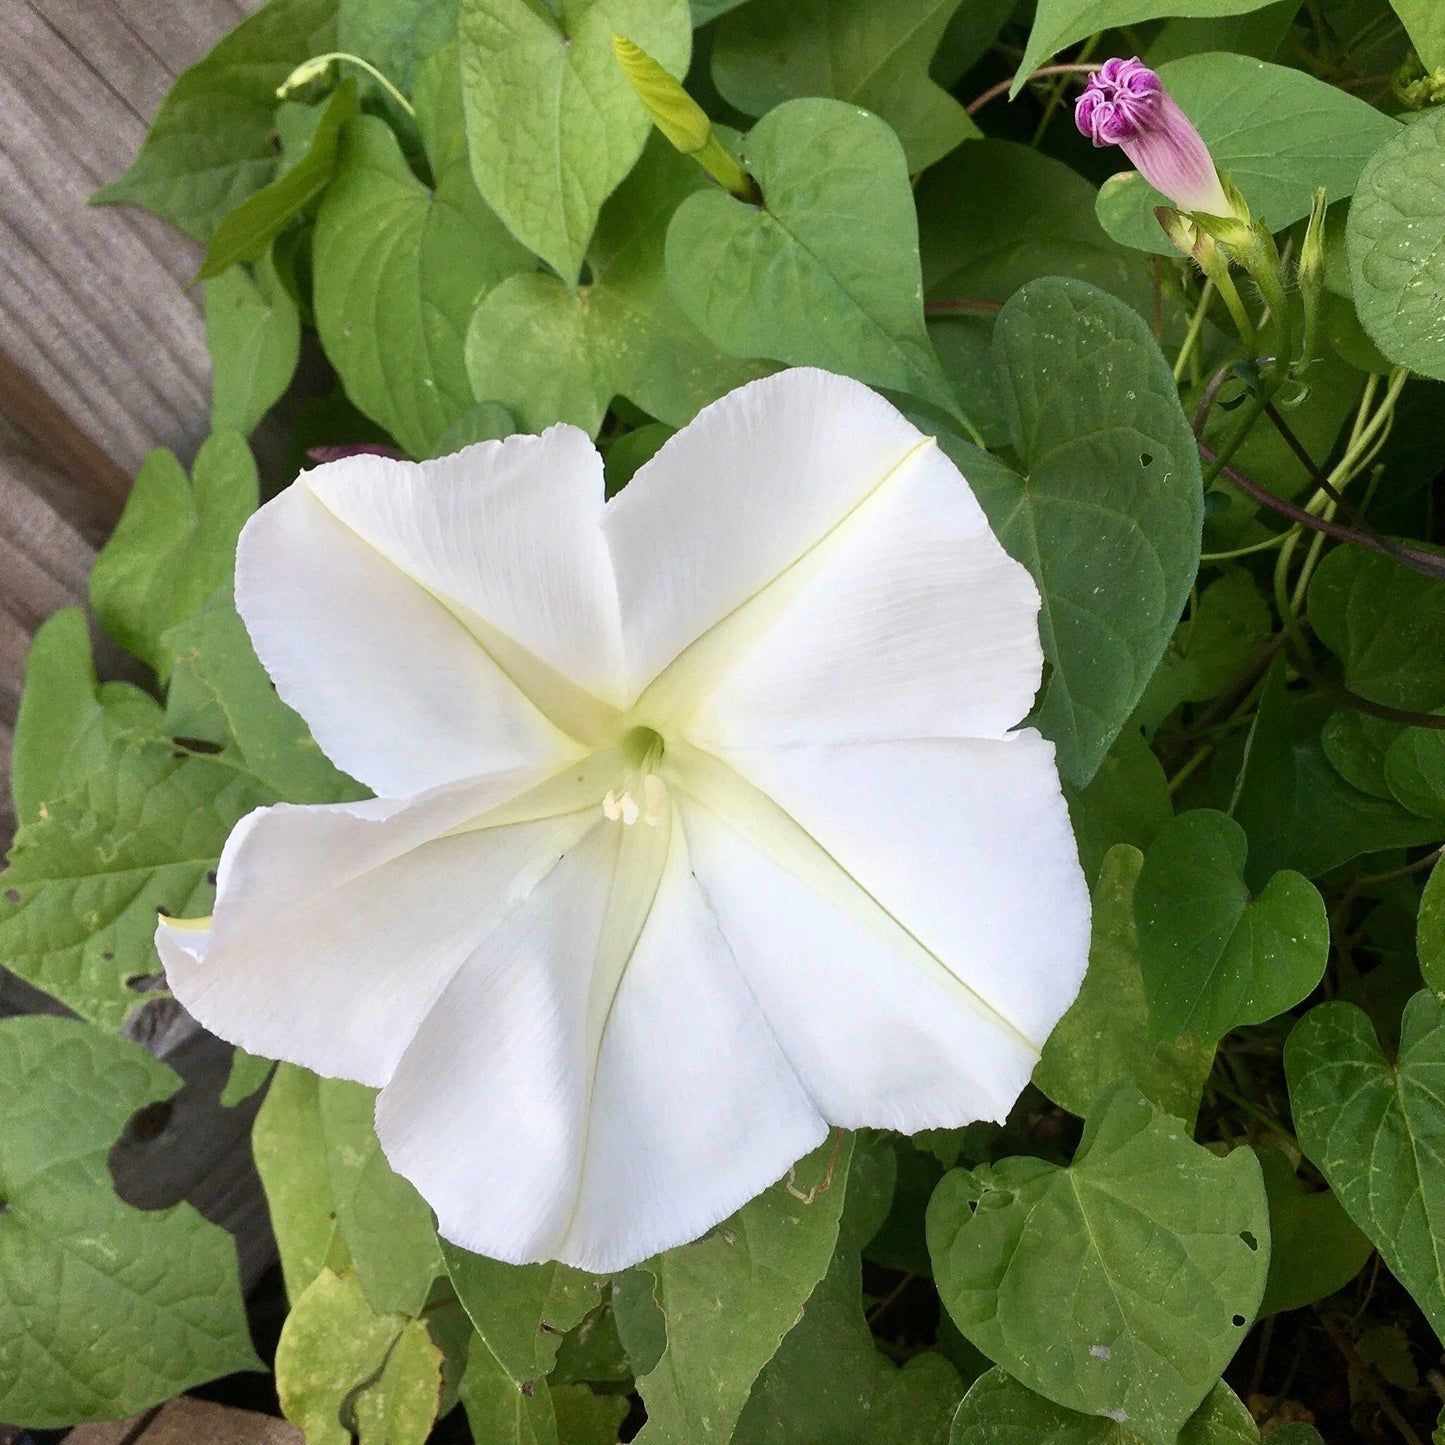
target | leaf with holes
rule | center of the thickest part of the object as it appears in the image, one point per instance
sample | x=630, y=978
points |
x=104, y=1309
x=1376, y=1131
x=1118, y=1287
x=1108, y=511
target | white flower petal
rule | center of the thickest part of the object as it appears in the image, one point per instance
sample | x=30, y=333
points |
x=508, y=531
x=910, y=620
x=878, y=1037
x=396, y=691
x=731, y=501
x=337, y=927
x=539, y=1130
x=965, y=842
x=695, y=1108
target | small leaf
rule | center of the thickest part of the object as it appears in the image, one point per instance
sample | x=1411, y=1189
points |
x=245, y=233
x=1373, y=1129
x=1118, y=1287
x=553, y=124
x=212, y=145
x=552, y=354
x=1213, y=955
x=760, y=1265
x=1396, y=245
x=105, y=1310
x=343, y=1370
x=1108, y=513
x=825, y=272
x=1279, y=132
x=174, y=545
x=399, y=271
x=871, y=53
x=1000, y=1411
x=1105, y=1036
x=253, y=333
x=385, y=1223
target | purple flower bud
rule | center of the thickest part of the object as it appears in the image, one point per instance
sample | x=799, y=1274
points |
x=1125, y=104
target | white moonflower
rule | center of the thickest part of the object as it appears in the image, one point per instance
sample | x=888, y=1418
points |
x=701, y=824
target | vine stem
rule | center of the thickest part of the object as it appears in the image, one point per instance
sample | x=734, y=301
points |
x=1365, y=1373
x=1003, y=87
x=1196, y=327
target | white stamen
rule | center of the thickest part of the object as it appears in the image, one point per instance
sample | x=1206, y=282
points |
x=611, y=808
x=630, y=811
x=654, y=794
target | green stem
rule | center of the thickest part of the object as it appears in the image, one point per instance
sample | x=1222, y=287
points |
x=312, y=68
x=1196, y=328
x=1056, y=95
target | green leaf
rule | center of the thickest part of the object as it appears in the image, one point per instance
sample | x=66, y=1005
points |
x=552, y=121
x=68, y=721
x=1127, y=801
x=760, y=1266
x=1374, y=1131
x=211, y=144
x=249, y=1072
x=1259, y=34
x=385, y=1223
x=253, y=333
x=828, y=1382
x=395, y=35
x=1105, y=1036
x=140, y=834
x=1279, y=132
x=220, y=694
x=1226, y=628
x=825, y=273
x=1108, y=512
x=483, y=421
x=1120, y=1286
x=587, y=1418
x=1314, y=1249
x=1000, y=1411
x=1424, y=22
x=551, y=354
x=499, y=1409
x=997, y=214
x=871, y=53
x=245, y=233
x=1059, y=23
x=1395, y=239
x=104, y=1309
x=290, y=1150
x=1430, y=931
x=174, y=545
x=521, y=1311
x=1297, y=810
x=343, y=1371
x=399, y=271
x=1213, y=954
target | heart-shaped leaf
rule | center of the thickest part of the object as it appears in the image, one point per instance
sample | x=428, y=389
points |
x=825, y=272
x=1376, y=1131
x=1118, y=1287
x=1213, y=955
x=552, y=122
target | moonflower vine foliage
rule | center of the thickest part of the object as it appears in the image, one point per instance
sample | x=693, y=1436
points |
x=754, y=909
x=703, y=820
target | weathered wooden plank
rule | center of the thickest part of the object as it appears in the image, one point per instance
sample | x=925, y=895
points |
x=190, y=1422
x=91, y=298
